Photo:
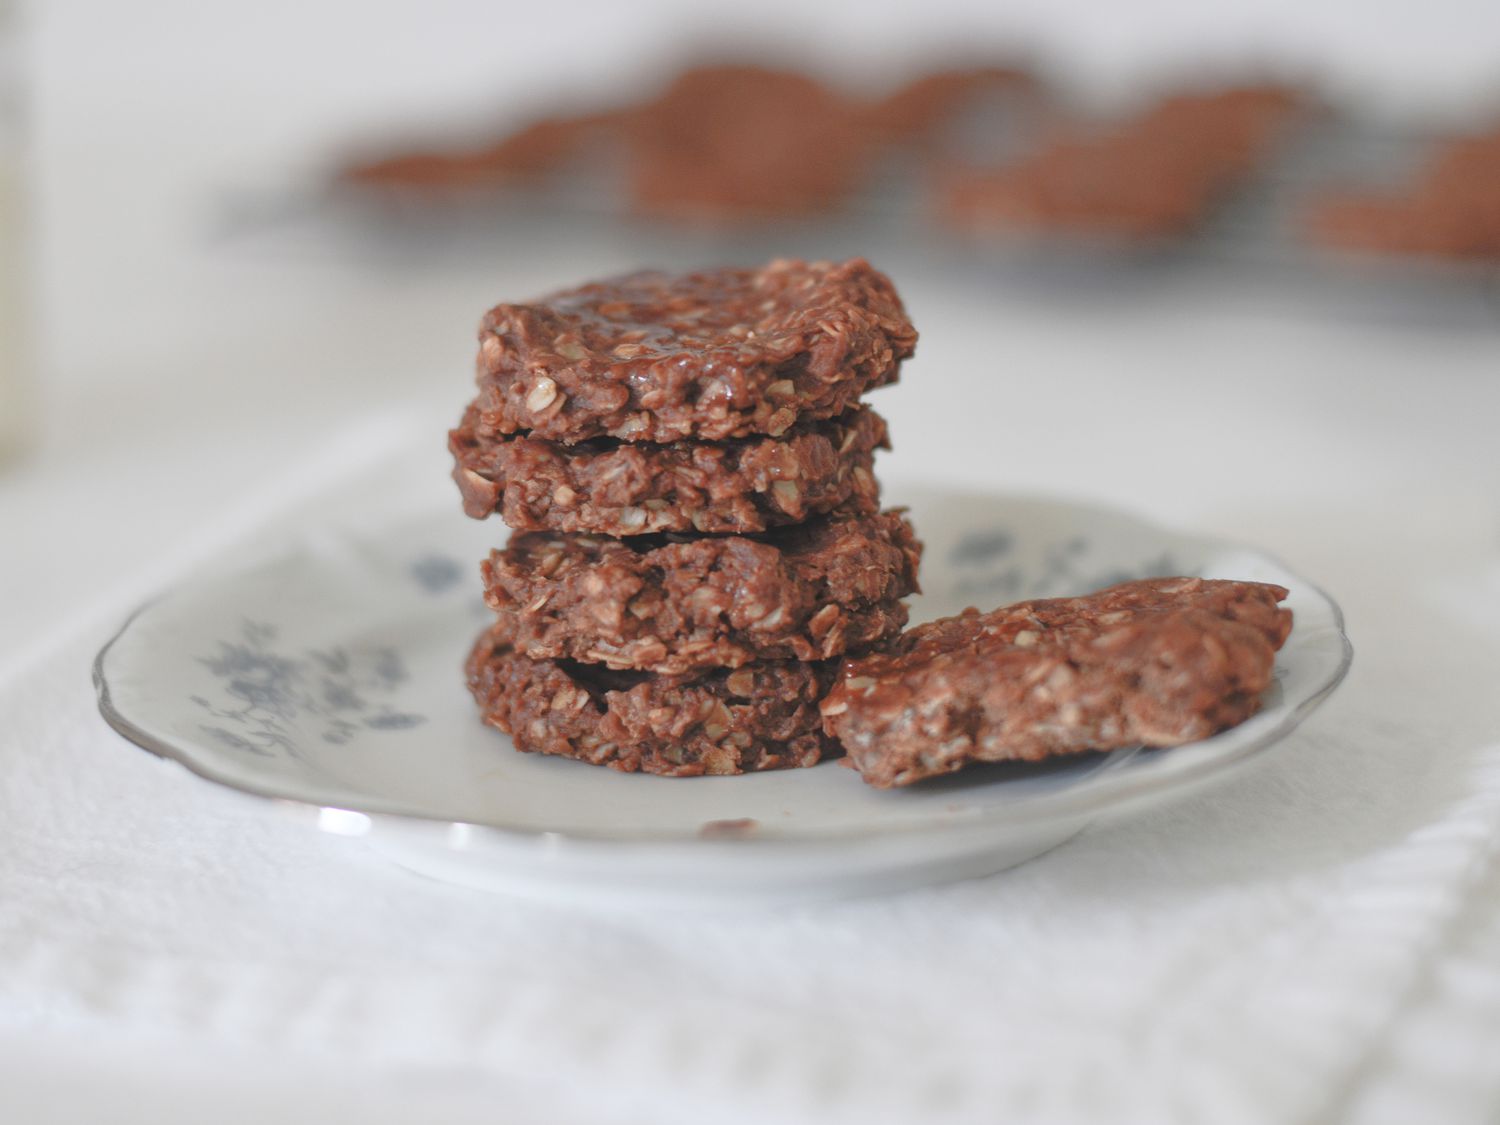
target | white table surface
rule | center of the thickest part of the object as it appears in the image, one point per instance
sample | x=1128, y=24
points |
x=179, y=372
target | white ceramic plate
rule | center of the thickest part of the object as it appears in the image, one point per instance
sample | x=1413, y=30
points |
x=330, y=676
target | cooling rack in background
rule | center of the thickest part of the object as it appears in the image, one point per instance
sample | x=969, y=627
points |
x=1255, y=239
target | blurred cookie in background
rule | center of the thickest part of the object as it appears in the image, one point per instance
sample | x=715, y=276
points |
x=1451, y=210
x=734, y=141
x=922, y=110
x=524, y=157
x=1154, y=176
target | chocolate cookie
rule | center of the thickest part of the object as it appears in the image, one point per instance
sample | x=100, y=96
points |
x=655, y=357
x=1450, y=211
x=525, y=156
x=760, y=717
x=1153, y=177
x=733, y=142
x=1158, y=662
x=633, y=488
x=920, y=109
x=806, y=592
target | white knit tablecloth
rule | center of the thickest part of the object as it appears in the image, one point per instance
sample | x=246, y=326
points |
x=1315, y=940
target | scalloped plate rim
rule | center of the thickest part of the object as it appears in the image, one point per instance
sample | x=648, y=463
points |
x=1111, y=789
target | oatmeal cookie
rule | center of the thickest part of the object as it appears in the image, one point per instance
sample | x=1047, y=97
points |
x=632, y=488
x=726, y=353
x=759, y=717
x=731, y=143
x=807, y=592
x=1157, y=662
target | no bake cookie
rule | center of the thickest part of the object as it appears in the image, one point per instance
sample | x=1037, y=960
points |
x=717, y=354
x=760, y=717
x=1157, y=662
x=631, y=488
x=808, y=592
x=728, y=143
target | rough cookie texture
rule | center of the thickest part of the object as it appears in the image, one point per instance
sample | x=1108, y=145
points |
x=808, y=592
x=1158, y=662
x=633, y=488
x=719, y=354
x=760, y=717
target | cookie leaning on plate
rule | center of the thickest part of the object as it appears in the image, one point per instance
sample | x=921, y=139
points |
x=1157, y=662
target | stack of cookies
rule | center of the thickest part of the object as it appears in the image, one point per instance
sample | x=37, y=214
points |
x=699, y=541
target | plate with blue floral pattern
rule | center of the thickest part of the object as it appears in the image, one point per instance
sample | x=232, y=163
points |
x=328, y=676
